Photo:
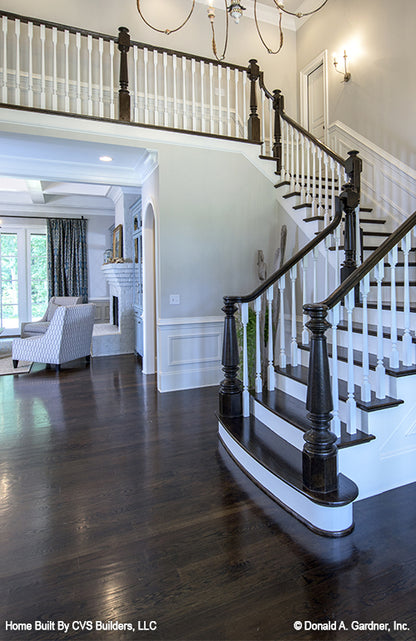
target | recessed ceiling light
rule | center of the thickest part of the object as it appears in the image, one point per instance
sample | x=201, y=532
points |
x=106, y=158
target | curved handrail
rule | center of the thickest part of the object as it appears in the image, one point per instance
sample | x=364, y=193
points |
x=299, y=127
x=292, y=261
x=376, y=256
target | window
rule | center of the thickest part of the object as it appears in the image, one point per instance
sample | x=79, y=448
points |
x=23, y=277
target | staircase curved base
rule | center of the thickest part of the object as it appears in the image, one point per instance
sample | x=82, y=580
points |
x=332, y=520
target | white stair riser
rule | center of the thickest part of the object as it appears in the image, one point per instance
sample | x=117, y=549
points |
x=372, y=343
x=278, y=425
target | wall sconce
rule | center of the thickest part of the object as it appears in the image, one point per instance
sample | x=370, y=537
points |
x=345, y=73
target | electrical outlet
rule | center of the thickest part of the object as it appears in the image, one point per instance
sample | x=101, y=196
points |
x=174, y=299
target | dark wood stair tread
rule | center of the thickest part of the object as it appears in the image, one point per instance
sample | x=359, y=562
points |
x=291, y=194
x=300, y=374
x=282, y=184
x=274, y=158
x=283, y=460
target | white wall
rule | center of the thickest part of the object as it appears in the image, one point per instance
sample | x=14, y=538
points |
x=378, y=101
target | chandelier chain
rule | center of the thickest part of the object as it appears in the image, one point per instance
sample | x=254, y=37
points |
x=214, y=44
x=299, y=14
x=166, y=31
x=259, y=32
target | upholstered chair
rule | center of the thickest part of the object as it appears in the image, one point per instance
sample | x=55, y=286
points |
x=36, y=328
x=67, y=338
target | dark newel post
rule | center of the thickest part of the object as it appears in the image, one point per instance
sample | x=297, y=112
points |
x=253, y=72
x=278, y=106
x=319, y=451
x=123, y=93
x=230, y=388
x=350, y=198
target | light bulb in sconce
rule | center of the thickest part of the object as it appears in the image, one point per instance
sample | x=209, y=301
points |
x=345, y=73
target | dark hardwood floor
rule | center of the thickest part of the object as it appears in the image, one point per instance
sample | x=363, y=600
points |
x=118, y=504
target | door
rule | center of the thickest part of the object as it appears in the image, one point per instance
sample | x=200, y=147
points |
x=316, y=117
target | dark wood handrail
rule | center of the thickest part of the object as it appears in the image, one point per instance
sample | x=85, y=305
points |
x=140, y=45
x=354, y=279
x=292, y=261
x=301, y=129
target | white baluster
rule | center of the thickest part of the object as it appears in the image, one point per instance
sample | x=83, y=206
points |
x=89, y=46
x=245, y=124
x=202, y=70
x=271, y=120
x=313, y=178
x=283, y=154
x=270, y=367
x=146, y=85
x=315, y=256
x=303, y=180
x=136, y=84
x=30, y=70
x=237, y=113
x=328, y=241
x=228, y=103
x=17, y=78
x=365, y=385
x=175, y=92
x=263, y=125
x=320, y=203
x=4, y=92
x=298, y=179
x=336, y=422
x=357, y=235
x=282, y=353
x=67, y=106
x=380, y=369
x=165, y=89
x=326, y=198
x=193, y=94
x=351, y=404
x=211, y=97
x=246, y=396
x=258, y=381
x=101, y=81
x=288, y=170
x=394, y=355
x=155, y=86
x=337, y=239
x=78, y=46
x=293, y=343
x=219, y=89
x=292, y=159
x=305, y=332
x=332, y=165
x=407, y=344
x=112, y=104
x=308, y=179
x=54, y=70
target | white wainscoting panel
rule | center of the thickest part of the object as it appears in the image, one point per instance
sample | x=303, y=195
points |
x=189, y=352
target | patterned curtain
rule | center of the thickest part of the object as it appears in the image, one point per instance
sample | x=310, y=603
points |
x=67, y=257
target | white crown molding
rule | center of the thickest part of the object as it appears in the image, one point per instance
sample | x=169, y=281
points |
x=45, y=211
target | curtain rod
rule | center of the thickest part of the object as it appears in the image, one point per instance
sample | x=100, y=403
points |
x=37, y=217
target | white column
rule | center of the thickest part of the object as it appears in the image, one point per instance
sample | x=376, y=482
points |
x=336, y=422
x=270, y=366
x=282, y=353
x=246, y=396
x=351, y=404
x=258, y=381
x=407, y=345
x=293, y=342
x=380, y=369
x=365, y=385
x=394, y=354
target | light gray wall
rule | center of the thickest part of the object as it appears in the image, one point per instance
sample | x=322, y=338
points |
x=379, y=100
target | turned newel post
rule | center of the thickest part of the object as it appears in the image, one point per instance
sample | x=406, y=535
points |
x=353, y=169
x=253, y=72
x=319, y=451
x=278, y=106
x=230, y=401
x=123, y=93
x=350, y=200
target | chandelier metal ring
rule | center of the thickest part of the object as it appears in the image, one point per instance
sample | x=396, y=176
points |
x=280, y=30
x=299, y=14
x=165, y=31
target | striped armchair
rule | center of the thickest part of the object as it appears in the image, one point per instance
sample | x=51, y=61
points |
x=36, y=328
x=68, y=337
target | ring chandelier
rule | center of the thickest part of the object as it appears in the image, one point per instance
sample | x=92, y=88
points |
x=235, y=10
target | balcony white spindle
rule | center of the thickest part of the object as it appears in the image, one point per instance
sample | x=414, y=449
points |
x=365, y=385
x=246, y=396
x=357, y=235
x=380, y=369
x=146, y=85
x=101, y=78
x=175, y=90
x=219, y=89
x=237, y=113
x=298, y=178
x=283, y=154
x=67, y=105
x=315, y=256
x=287, y=173
x=328, y=242
x=282, y=350
x=78, y=47
x=211, y=97
x=351, y=404
x=17, y=71
x=258, y=381
x=333, y=191
x=193, y=94
x=305, y=332
x=407, y=345
x=308, y=178
x=314, y=210
x=135, y=85
x=228, y=102
x=320, y=202
x=394, y=354
x=303, y=180
x=89, y=47
x=165, y=89
x=202, y=72
x=270, y=349
x=264, y=148
x=30, y=68
x=337, y=240
x=155, y=86
x=54, y=69
x=336, y=422
x=271, y=121
x=4, y=92
x=112, y=103
x=326, y=196
x=293, y=341
x=292, y=159
x=245, y=124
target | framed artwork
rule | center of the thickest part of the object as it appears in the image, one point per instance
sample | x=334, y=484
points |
x=118, y=242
